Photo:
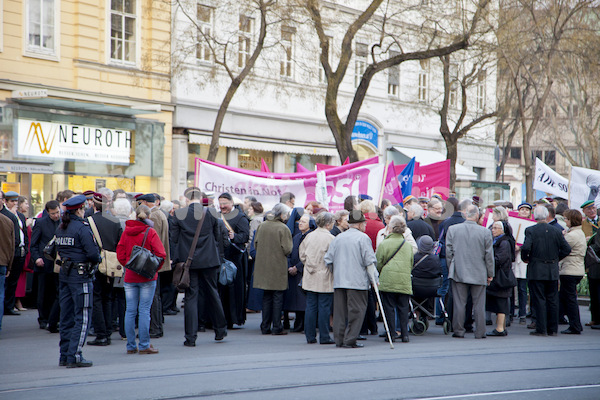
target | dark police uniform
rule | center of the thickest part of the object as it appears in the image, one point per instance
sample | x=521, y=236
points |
x=80, y=255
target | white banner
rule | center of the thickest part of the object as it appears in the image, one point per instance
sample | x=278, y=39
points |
x=585, y=185
x=547, y=180
x=366, y=179
x=52, y=140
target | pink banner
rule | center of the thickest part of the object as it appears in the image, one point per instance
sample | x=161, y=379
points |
x=301, y=168
x=295, y=175
x=430, y=179
x=326, y=167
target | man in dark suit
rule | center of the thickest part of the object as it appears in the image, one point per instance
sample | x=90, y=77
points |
x=416, y=224
x=47, y=296
x=543, y=248
x=233, y=296
x=21, y=246
x=7, y=250
x=109, y=230
x=205, y=265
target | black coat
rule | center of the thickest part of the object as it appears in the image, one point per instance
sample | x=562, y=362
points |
x=593, y=269
x=42, y=232
x=181, y=233
x=543, y=248
x=109, y=229
x=502, y=261
x=420, y=228
x=429, y=268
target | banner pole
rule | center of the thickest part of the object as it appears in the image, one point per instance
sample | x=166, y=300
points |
x=385, y=171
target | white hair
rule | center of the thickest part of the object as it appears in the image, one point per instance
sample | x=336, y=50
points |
x=390, y=211
x=500, y=224
x=280, y=210
x=122, y=207
x=540, y=213
x=166, y=206
x=472, y=212
x=417, y=210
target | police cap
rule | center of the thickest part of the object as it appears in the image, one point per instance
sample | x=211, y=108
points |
x=74, y=202
x=525, y=205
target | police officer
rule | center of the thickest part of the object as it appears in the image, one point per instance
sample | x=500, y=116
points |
x=79, y=256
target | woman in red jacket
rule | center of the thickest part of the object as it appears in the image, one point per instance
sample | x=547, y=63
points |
x=139, y=291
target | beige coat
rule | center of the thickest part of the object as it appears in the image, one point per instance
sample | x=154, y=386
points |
x=161, y=226
x=573, y=263
x=273, y=243
x=317, y=276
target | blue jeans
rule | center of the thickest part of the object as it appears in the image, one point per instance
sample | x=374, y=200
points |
x=2, y=280
x=522, y=296
x=442, y=291
x=139, y=298
x=318, y=310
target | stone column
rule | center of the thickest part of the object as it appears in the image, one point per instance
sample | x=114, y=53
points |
x=179, y=164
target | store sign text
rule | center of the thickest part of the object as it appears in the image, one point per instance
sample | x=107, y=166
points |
x=73, y=142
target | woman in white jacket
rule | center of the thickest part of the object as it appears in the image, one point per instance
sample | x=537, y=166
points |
x=571, y=270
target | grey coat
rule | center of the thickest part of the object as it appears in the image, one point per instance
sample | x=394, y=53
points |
x=470, y=253
x=349, y=254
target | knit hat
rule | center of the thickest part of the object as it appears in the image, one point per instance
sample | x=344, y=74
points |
x=425, y=244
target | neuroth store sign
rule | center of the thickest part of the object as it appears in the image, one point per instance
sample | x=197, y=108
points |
x=51, y=140
x=365, y=133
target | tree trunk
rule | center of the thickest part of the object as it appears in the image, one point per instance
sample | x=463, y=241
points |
x=530, y=196
x=214, y=141
x=452, y=155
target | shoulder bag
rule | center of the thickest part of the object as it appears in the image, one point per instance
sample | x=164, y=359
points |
x=142, y=261
x=227, y=273
x=181, y=271
x=393, y=255
x=109, y=265
x=505, y=279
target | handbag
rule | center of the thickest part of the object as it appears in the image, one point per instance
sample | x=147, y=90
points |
x=505, y=279
x=591, y=258
x=142, y=261
x=227, y=273
x=438, y=244
x=109, y=265
x=50, y=250
x=181, y=271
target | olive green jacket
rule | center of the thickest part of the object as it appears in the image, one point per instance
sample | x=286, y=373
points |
x=395, y=273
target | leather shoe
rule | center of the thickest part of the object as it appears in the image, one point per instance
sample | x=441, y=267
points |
x=43, y=325
x=552, y=334
x=267, y=332
x=536, y=333
x=11, y=312
x=595, y=326
x=220, y=336
x=590, y=323
x=570, y=331
x=132, y=351
x=81, y=364
x=280, y=333
x=488, y=322
x=405, y=339
x=312, y=341
x=496, y=333
x=353, y=346
x=361, y=337
x=156, y=335
x=62, y=362
x=188, y=343
x=149, y=350
x=169, y=312
x=98, y=342
x=383, y=334
x=328, y=341
x=52, y=329
x=456, y=335
x=531, y=326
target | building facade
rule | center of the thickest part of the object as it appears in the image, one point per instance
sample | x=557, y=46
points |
x=84, y=97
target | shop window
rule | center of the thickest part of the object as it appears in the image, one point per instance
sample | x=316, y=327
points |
x=308, y=161
x=423, y=95
x=251, y=159
x=42, y=27
x=123, y=31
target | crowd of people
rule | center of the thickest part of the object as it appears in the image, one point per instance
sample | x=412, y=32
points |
x=326, y=268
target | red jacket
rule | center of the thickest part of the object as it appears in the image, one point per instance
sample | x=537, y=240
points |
x=374, y=225
x=134, y=236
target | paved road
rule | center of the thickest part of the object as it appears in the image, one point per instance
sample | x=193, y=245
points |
x=251, y=366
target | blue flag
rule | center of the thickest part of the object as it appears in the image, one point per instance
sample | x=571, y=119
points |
x=406, y=178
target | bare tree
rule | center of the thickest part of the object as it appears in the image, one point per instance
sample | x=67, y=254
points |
x=438, y=41
x=217, y=46
x=530, y=36
x=462, y=120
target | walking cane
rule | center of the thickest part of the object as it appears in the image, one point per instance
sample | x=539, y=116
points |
x=371, y=272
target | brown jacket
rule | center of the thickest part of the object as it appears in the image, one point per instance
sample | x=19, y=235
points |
x=7, y=241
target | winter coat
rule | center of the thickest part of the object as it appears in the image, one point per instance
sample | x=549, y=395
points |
x=316, y=277
x=182, y=231
x=469, y=253
x=429, y=268
x=573, y=263
x=544, y=246
x=133, y=235
x=273, y=243
x=502, y=261
x=374, y=225
x=394, y=270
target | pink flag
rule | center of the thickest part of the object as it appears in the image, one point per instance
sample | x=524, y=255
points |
x=391, y=189
x=263, y=166
x=430, y=179
x=301, y=168
x=346, y=161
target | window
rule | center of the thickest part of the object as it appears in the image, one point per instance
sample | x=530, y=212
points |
x=453, y=101
x=515, y=153
x=537, y=154
x=245, y=40
x=322, y=77
x=287, y=41
x=42, y=27
x=424, y=81
x=550, y=157
x=360, y=62
x=205, y=20
x=575, y=109
x=123, y=31
x=588, y=110
x=394, y=77
x=481, y=91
